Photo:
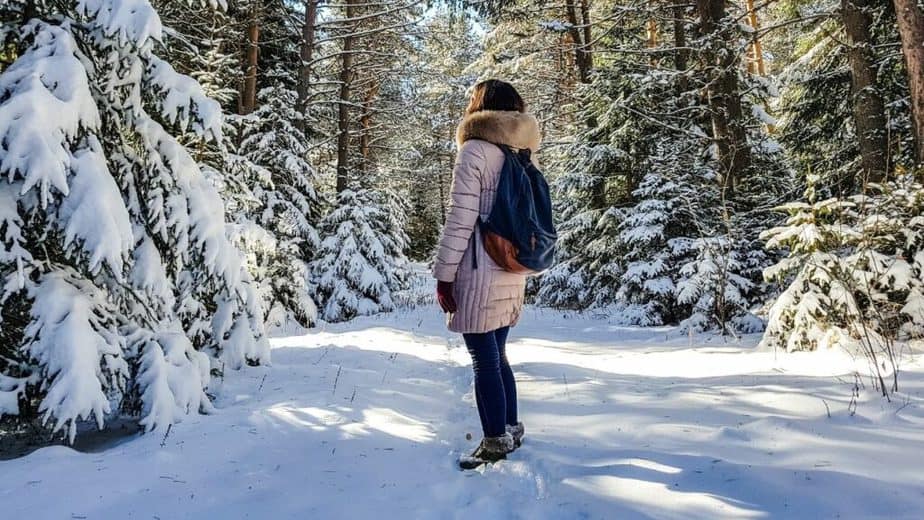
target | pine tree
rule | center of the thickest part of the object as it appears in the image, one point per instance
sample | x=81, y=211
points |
x=587, y=259
x=120, y=285
x=816, y=123
x=276, y=204
x=657, y=236
x=657, y=219
x=262, y=167
x=360, y=264
x=853, y=269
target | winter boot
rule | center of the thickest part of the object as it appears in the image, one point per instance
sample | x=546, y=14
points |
x=491, y=449
x=516, y=431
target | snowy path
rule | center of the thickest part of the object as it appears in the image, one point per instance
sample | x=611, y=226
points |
x=365, y=420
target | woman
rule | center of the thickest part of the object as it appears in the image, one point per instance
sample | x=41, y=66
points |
x=484, y=301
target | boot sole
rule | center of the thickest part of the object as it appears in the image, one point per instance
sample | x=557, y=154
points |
x=472, y=463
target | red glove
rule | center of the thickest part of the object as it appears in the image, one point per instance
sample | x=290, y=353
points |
x=444, y=296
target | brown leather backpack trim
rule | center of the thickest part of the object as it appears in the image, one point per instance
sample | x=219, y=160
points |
x=503, y=253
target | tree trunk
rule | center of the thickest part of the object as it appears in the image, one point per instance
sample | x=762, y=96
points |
x=651, y=33
x=681, y=54
x=248, y=101
x=29, y=11
x=343, y=120
x=366, y=123
x=588, y=36
x=755, y=54
x=724, y=96
x=911, y=28
x=868, y=110
x=307, y=54
x=580, y=34
x=755, y=50
x=651, y=40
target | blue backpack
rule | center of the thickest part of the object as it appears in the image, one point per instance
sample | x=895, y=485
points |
x=519, y=234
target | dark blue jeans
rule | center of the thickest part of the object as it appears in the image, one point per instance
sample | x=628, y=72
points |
x=495, y=388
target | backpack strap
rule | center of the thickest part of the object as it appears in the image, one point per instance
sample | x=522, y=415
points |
x=525, y=155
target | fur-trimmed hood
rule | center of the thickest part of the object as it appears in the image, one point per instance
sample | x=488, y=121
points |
x=515, y=129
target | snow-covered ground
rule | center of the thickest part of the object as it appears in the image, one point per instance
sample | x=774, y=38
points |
x=366, y=419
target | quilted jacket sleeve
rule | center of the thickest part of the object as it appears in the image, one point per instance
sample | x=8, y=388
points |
x=463, y=210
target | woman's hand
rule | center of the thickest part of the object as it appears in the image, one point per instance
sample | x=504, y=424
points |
x=444, y=296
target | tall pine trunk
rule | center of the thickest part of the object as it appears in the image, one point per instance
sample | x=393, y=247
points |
x=651, y=40
x=365, y=140
x=911, y=27
x=306, y=55
x=868, y=110
x=248, y=100
x=681, y=53
x=588, y=37
x=755, y=50
x=724, y=95
x=581, y=35
x=343, y=119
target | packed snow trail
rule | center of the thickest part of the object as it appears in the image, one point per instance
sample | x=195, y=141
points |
x=366, y=419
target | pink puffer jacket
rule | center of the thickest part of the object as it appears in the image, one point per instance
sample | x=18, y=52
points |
x=487, y=297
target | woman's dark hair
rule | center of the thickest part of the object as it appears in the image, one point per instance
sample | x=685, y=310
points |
x=494, y=94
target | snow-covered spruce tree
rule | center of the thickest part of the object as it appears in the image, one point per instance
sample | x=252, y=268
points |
x=853, y=274
x=361, y=263
x=585, y=273
x=262, y=167
x=393, y=227
x=119, y=282
x=271, y=189
x=718, y=284
x=599, y=169
x=586, y=268
x=677, y=203
x=651, y=223
x=722, y=284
